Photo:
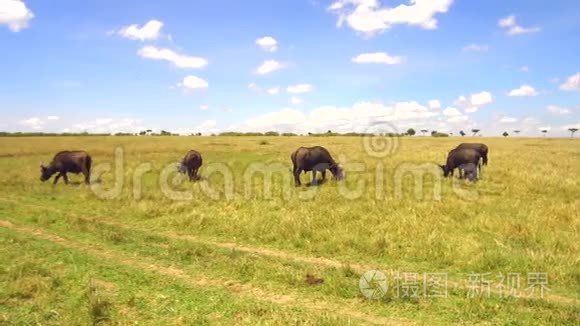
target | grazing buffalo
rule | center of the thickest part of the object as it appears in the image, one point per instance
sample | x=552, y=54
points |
x=190, y=164
x=314, y=159
x=458, y=157
x=481, y=148
x=67, y=161
x=469, y=171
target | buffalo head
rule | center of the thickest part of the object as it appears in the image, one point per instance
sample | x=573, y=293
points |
x=45, y=172
x=337, y=172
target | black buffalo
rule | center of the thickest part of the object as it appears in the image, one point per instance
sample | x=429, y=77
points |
x=67, y=161
x=190, y=164
x=481, y=148
x=314, y=159
x=458, y=157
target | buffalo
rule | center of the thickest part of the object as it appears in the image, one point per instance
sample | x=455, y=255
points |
x=469, y=171
x=458, y=157
x=315, y=159
x=481, y=148
x=190, y=164
x=67, y=161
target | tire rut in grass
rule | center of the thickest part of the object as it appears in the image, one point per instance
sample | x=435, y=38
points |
x=202, y=281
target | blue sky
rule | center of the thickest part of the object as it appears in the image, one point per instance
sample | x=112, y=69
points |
x=344, y=65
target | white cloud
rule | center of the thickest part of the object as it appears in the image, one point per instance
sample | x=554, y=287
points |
x=360, y=117
x=300, y=88
x=254, y=87
x=512, y=28
x=267, y=43
x=525, y=69
x=434, y=104
x=553, y=109
x=481, y=99
x=179, y=60
x=273, y=90
x=524, y=90
x=14, y=14
x=269, y=66
x=451, y=112
x=109, y=125
x=207, y=127
x=295, y=100
x=53, y=117
x=33, y=123
x=507, y=119
x=378, y=57
x=150, y=31
x=369, y=17
x=572, y=83
x=475, y=101
x=475, y=48
x=192, y=83
x=204, y=107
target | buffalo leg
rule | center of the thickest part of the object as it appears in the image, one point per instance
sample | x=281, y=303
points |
x=314, y=182
x=65, y=178
x=323, y=175
x=87, y=174
x=297, y=177
x=56, y=178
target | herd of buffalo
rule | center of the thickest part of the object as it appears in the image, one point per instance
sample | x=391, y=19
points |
x=467, y=158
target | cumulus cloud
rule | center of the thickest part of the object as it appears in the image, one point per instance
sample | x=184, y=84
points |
x=149, y=31
x=206, y=128
x=193, y=83
x=300, y=88
x=204, y=107
x=269, y=66
x=475, y=101
x=553, y=109
x=267, y=43
x=572, y=83
x=379, y=58
x=179, y=60
x=360, y=117
x=452, y=112
x=33, y=123
x=15, y=14
x=524, y=90
x=512, y=28
x=370, y=17
x=525, y=69
x=273, y=90
x=38, y=123
x=295, y=100
x=507, y=119
x=109, y=125
x=434, y=104
x=475, y=48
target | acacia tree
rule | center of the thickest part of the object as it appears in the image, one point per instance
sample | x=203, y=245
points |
x=474, y=131
x=424, y=131
x=516, y=132
x=572, y=131
x=505, y=134
x=411, y=132
x=544, y=131
x=462, y=133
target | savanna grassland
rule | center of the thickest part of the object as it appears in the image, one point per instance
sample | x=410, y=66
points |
x=132, y=248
